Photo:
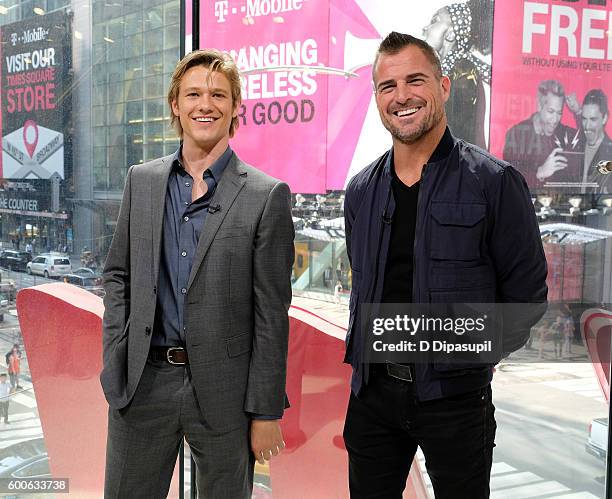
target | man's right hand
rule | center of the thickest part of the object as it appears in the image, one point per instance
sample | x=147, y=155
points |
x=554, y=162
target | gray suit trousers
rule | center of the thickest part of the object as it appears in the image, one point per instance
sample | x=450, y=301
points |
x=144, y=439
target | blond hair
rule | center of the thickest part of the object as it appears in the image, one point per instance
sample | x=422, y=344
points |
x=215, y=61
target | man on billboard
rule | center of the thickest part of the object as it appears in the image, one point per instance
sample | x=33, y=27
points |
x=597, y=145
x=197, y=284
x=433, y=220
x=542, y=148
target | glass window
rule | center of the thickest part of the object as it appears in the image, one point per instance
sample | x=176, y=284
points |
x=116, y=135
x=153, y=40
x=99, y=136
x=154, y=86
x=153, y=151
x=99, y=52
x=99, y=154
x=100, y=178
x=116, y=71
x=99, y=94
x=155, y=110
x=133, y=45
x=116, y=114
x=99, y=115
x=154, y=132
x=134, y=89
x=154, y=63
x=171, y=39
x=117, y=177
x=114, y=49
x=171, y=58
x=134, y=112
x=154, y=18
x=114, y=29
x=115, y=91
x=133, y=23
x=133, y=67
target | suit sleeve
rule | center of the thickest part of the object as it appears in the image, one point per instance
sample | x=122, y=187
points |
x=116, y=278
x=518, y=258
x=273, y=255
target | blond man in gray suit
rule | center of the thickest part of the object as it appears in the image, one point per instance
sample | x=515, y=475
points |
x=197, y=286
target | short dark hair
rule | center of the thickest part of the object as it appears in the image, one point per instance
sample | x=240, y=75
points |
x=596, y=96
x=395, y=42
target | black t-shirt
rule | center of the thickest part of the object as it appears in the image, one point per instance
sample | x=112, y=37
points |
x=398, y=271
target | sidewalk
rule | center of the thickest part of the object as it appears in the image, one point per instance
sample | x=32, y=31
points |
x=337, y=313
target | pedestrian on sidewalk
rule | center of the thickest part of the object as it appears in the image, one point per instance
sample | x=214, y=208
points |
x=5, y=393
x=8, y=354
x=14, y=367
x=337, y=292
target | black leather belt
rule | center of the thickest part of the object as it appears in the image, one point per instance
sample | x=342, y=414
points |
x=177, y=356
x=397, y=371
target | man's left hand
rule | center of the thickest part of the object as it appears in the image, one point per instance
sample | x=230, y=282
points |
x=266, y=439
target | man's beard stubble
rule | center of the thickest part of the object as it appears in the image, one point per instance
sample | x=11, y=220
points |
x=424, y=127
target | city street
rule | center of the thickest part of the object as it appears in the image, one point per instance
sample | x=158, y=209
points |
x=542, y=417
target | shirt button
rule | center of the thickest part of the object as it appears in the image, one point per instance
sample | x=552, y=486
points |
x=186, y=203
x=183, y=253
x=184, y=290
x=186, y=219
x=187, y=184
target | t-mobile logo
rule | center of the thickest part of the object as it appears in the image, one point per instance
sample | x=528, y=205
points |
x=221, y=10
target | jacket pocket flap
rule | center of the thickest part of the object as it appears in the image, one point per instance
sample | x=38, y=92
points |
x=466, y=215
x=233, y=231
x=239, y=345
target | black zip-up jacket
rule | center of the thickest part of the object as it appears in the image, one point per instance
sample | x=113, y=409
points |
x=477, y=240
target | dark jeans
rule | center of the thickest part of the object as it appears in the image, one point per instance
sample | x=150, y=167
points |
x=386, y=423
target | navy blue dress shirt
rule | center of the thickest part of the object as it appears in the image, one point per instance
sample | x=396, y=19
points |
x=182, y=226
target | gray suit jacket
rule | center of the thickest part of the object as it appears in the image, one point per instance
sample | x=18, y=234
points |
x=237, y=300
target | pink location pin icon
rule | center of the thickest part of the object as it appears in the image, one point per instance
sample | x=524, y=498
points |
x=30, y=136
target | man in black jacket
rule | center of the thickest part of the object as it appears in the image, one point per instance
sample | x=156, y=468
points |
x=433, y=220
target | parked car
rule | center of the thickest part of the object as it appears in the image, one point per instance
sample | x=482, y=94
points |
x=92, y=283
x=49, y=265
x=14, y=260
x=597, y=443
x=26, y=459
x=84, y=271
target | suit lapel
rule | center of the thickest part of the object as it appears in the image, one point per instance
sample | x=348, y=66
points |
x=159, y=187
x=232, y=181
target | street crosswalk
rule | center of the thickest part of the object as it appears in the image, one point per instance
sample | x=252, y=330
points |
x=24, y=423
x=577, y=378
x=509, y=483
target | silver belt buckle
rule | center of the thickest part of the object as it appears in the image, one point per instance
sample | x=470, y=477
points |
x=170, y=361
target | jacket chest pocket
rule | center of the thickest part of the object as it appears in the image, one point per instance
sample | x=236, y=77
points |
x=456, y=230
